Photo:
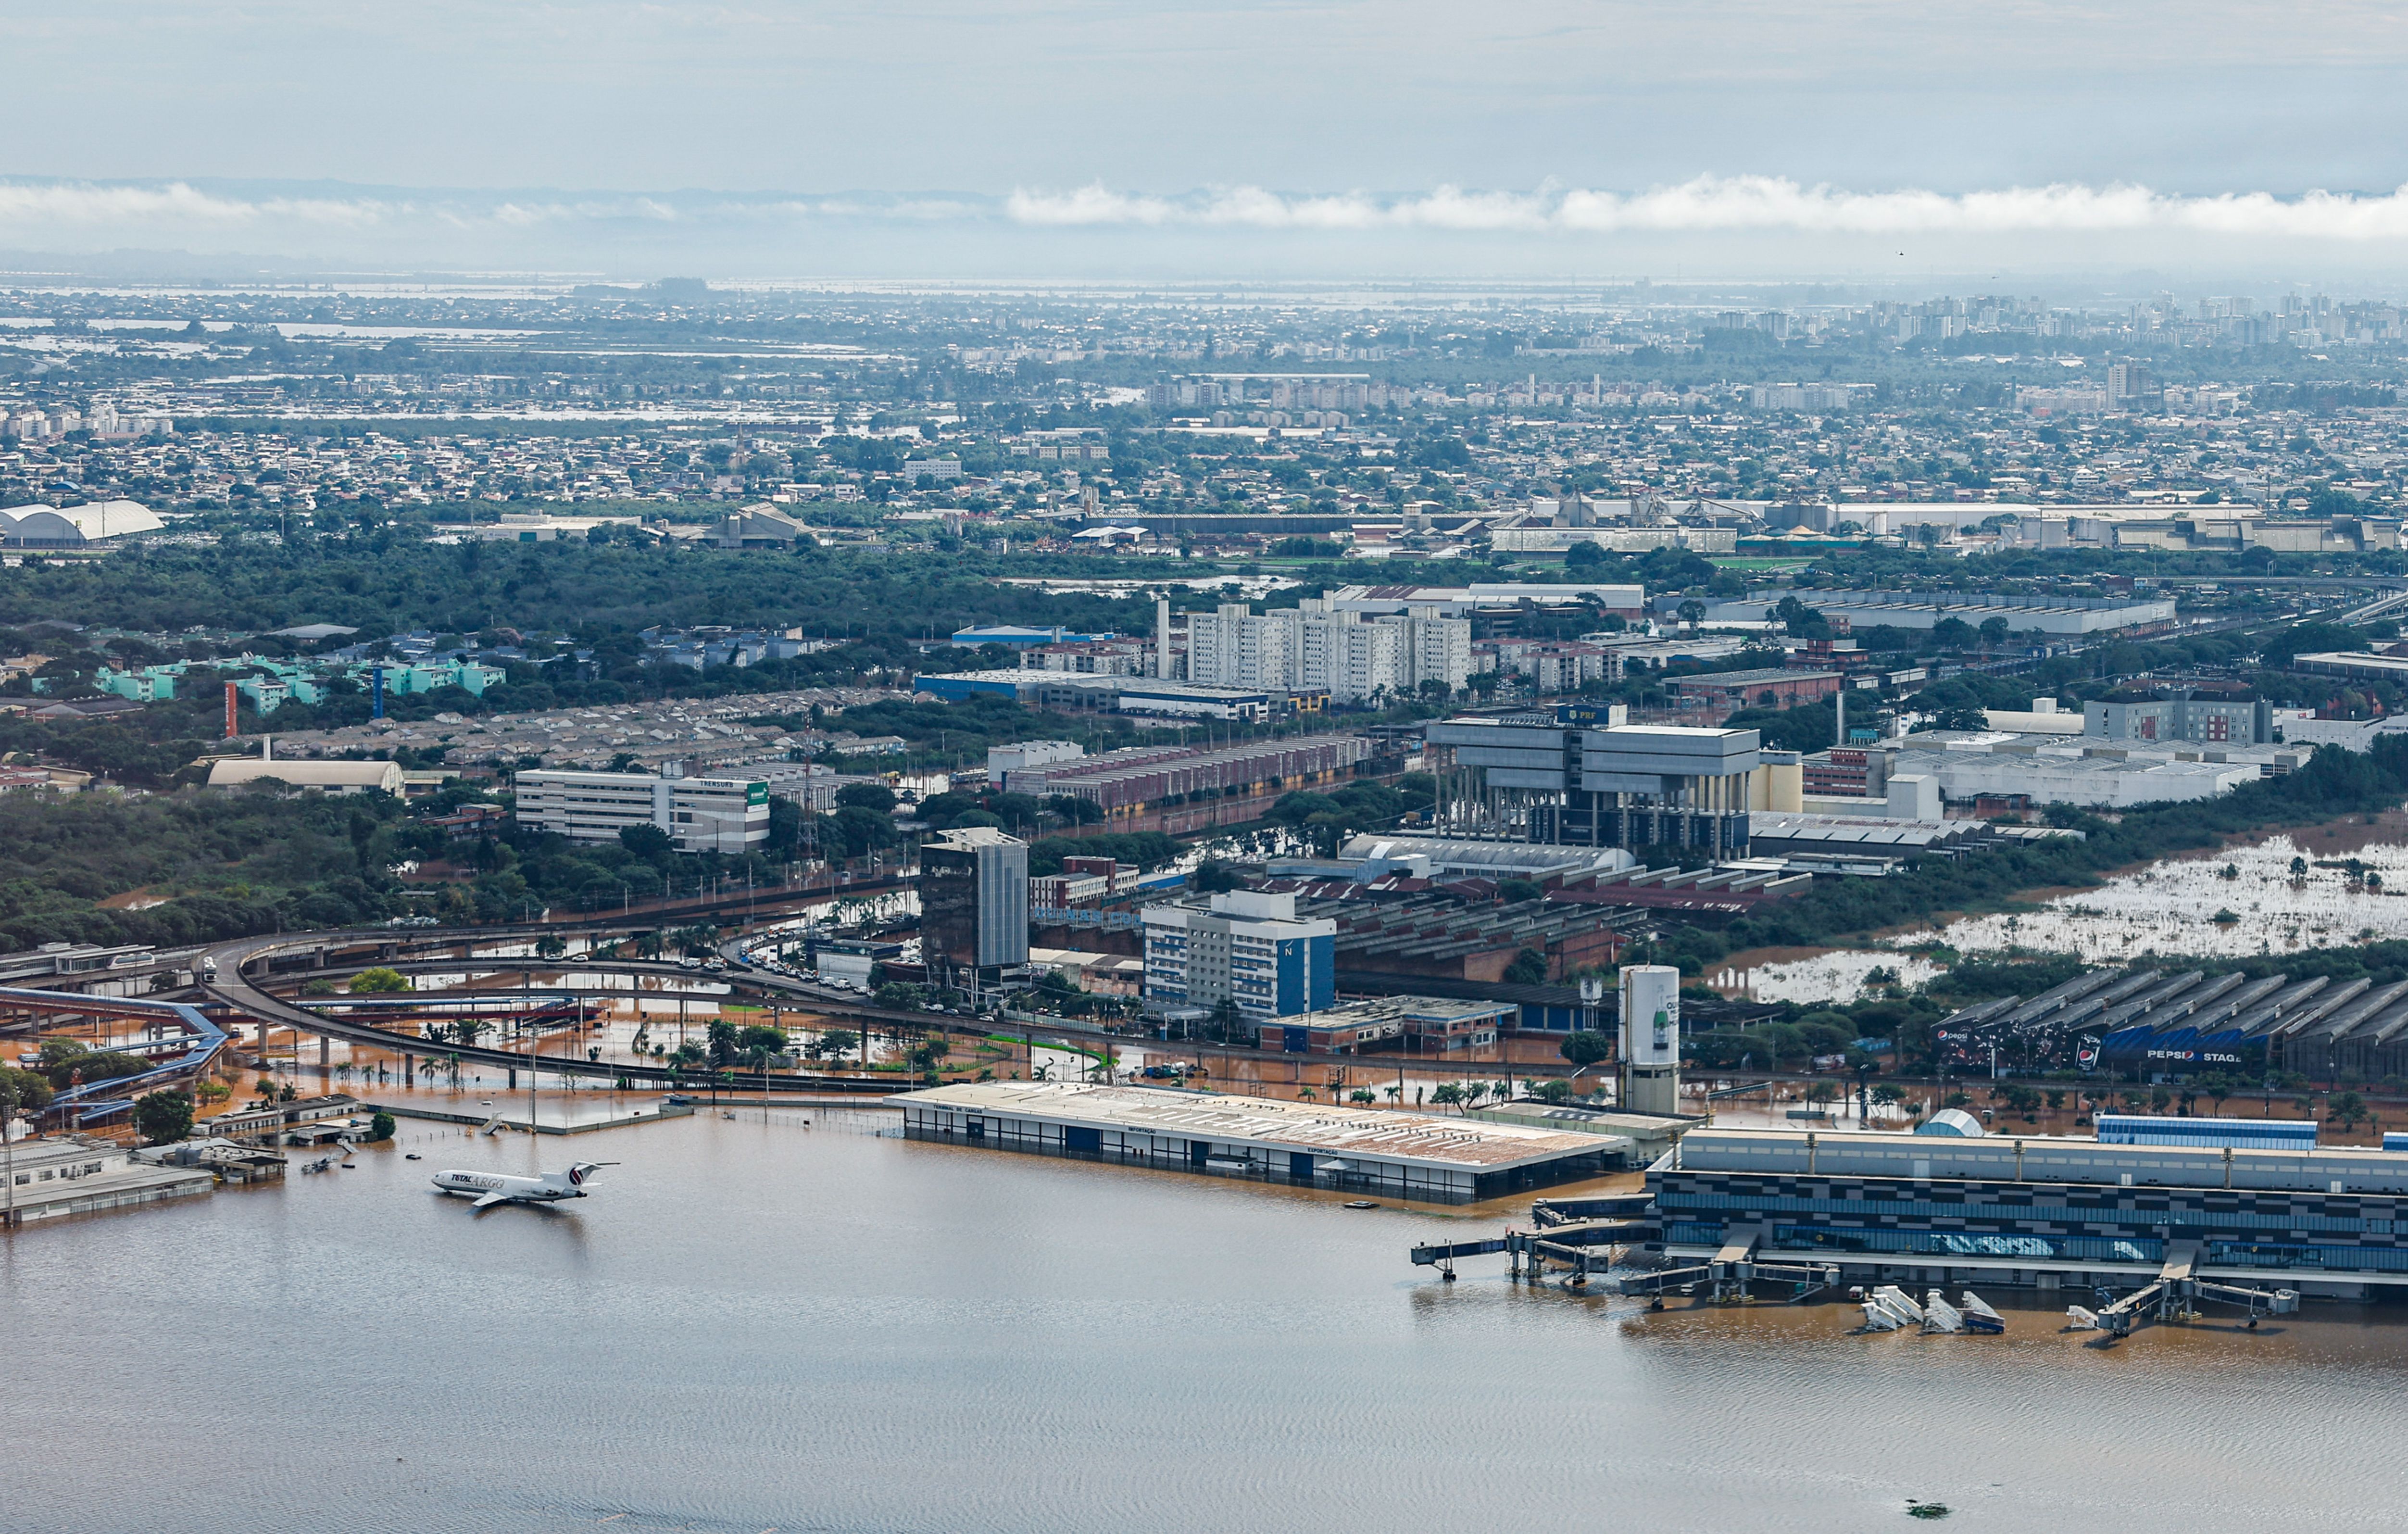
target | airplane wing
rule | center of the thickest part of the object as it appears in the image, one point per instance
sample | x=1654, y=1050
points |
x=490, y=1199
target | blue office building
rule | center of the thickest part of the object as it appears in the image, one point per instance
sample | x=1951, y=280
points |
x=1243, y=947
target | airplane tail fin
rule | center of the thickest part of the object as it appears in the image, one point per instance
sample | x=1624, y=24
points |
x=579, y=1174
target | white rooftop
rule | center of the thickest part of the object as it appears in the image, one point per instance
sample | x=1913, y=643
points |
x=1431, y=1139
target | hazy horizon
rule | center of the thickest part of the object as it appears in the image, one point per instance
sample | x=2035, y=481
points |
x=1848, y=141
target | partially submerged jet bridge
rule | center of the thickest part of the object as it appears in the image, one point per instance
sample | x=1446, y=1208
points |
x=1583, y=1236
x=1580, y=1234
x=1733, y=1269
x=2175, y=1296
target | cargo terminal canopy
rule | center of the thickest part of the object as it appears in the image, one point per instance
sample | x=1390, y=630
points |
x=1406, y=1155
x=2178, y=1023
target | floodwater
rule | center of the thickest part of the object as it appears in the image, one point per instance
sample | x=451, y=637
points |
x=2246, y=900
x=2286, y=892
x=753, y=1324
x=1836, y=976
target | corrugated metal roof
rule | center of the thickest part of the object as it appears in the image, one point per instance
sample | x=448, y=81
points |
x=1471, y=1144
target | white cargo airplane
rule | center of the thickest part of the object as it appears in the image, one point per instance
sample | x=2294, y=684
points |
x=493, y=1188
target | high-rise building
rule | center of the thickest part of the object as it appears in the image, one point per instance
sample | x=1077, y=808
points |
x=973, y=904
x=1243, y=947
x=1436, y=648
x=2129, y=387
x=1232, y=646
x=1320, y=643
x=1355, y=660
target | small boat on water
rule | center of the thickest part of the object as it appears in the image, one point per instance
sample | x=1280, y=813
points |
x=1360, y=1203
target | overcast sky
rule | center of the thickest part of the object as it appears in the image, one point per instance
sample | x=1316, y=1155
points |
x=1397, y=136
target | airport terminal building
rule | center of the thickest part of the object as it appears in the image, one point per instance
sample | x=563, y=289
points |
x=2234, y=1200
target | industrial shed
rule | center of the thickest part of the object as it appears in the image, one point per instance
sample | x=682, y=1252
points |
x=1427, y=1157
x=333, y=776
x=75, y=526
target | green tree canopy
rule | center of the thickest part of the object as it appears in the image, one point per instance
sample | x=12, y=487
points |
x=164, y=1117
x=1585, y=1048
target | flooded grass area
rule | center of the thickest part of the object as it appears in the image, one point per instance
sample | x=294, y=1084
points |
x=2322, y=886
x=2269, y=897
x=1840, y=975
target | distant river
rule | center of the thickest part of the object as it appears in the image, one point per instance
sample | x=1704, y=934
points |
x=757, y=1326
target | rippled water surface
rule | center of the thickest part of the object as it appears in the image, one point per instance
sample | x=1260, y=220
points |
x=757, y=1326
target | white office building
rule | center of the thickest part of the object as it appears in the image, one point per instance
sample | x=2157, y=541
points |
x=700, y=815
x=1243, y=947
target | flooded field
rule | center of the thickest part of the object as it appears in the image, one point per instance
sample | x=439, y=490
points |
x=1839, y=976
x=2270, y=897
x=2317, y=887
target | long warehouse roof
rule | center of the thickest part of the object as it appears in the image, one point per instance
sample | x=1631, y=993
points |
x=1326, y=1128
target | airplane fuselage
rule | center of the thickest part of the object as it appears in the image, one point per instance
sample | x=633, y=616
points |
x=496, y=1187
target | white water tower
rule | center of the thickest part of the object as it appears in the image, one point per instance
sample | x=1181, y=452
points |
x=1650, y=1038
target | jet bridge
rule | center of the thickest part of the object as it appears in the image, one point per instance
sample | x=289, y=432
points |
x=2174, y=1296
x=1735, y=1268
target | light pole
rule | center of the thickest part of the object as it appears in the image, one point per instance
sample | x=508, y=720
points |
x=8, y=1156
x=1591, y=994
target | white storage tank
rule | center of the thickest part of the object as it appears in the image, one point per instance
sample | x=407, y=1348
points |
x=1650, y=1038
